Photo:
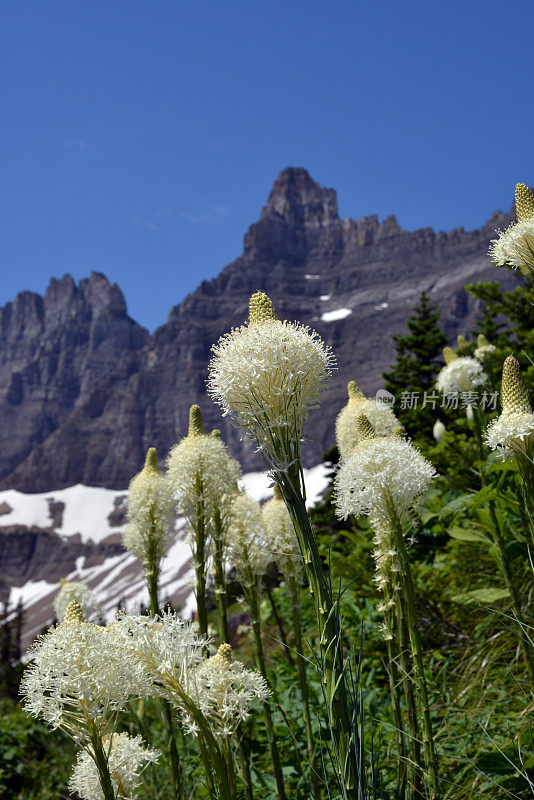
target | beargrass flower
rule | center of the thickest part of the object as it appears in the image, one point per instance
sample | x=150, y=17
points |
x=280, y=534
x=127, y=757
x=150, y=513
x=73, y=590
x=225, y=691
x=248, y=549
x=268, y=375
x=514, y=247
x=80, y=671
x=380, y=416
x=384, y=476
x=484, y=350
x=460, y=374
x=513, y=431
x=201, y=470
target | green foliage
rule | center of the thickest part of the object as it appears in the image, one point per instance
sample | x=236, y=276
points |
x=418, y=361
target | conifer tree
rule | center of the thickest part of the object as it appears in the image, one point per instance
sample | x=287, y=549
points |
x=419, y=358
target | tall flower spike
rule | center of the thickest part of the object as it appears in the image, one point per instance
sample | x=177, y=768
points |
x=260, y=309
x=524, y=203
x=514, y=393
x=196, y=426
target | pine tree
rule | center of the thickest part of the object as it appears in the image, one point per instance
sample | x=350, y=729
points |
x=419, y=359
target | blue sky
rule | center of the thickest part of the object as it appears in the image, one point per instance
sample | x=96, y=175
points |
x=140, y=138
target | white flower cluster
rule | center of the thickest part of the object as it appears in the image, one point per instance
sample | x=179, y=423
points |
x=160, y=645
x=381, y=417
x=514, y=247
x=248, y=549
x=73, y=590
x=280, y=535
x=80, y=670
x=127, y=757
x=484, y=350
x=463, y=374
x=511, y=433
x=383, y=476
x=150, y=513
x=201, y=470
x=268, y=375
x=225, y=691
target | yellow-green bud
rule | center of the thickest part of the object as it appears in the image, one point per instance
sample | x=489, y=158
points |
x=225, y=652
x=260, y=309
x=277, y=494
x=151, y=462
x=482, y=341
x=74, y=612
x=399, y=432
x=196, y=426
x=355, y=393
x=463, y=344
x=364, y=429
x=449, y=355
x=514, y=393
x=524, y=203
x=216, y=433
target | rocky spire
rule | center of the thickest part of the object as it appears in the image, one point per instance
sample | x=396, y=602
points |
x=299, y=200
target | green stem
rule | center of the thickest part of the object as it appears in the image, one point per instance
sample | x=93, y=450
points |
x=280, y=626
x=252, y=598
x=244, y=765
x=200, y=556
x=294, y=591
x=152, y=577
x=101, y=762
x=415, y=767
x=417, y=656
x=393, y=676
x=219, y=577
x=344, y=733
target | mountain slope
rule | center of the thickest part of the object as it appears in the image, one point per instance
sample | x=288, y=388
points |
x=84, y=390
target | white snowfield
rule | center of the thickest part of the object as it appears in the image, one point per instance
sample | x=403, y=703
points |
x=338, y=313
x=117, y=578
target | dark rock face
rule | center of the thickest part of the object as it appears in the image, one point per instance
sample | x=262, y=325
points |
x=84, y=390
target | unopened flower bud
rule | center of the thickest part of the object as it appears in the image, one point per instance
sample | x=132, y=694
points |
x=524, y=203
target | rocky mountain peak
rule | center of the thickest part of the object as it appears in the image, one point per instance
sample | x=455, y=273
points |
x=299, y=200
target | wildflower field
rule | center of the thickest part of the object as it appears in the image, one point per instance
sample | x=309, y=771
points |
x=388, y=643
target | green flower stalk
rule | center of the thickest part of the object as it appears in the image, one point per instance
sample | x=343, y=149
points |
x=268, y=375
x=201, y=473
x=147, y=536
x=384, y=478
x=248, y=552
x=284, y=547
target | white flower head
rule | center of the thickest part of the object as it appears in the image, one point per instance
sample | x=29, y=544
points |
x=127, y=757
x=280, y=534
x=164, y=646
x=248, y=550
x=381, y=417
x=150, y=513
x=460, y=374
x=512, y=432
x=73, y=590
x=225, y=691
x=382, y=477
x=268, y=375
x=201, y=470
x=514, y=247
x=78, y=668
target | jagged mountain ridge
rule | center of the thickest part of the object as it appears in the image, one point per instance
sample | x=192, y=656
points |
x=85, y=390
